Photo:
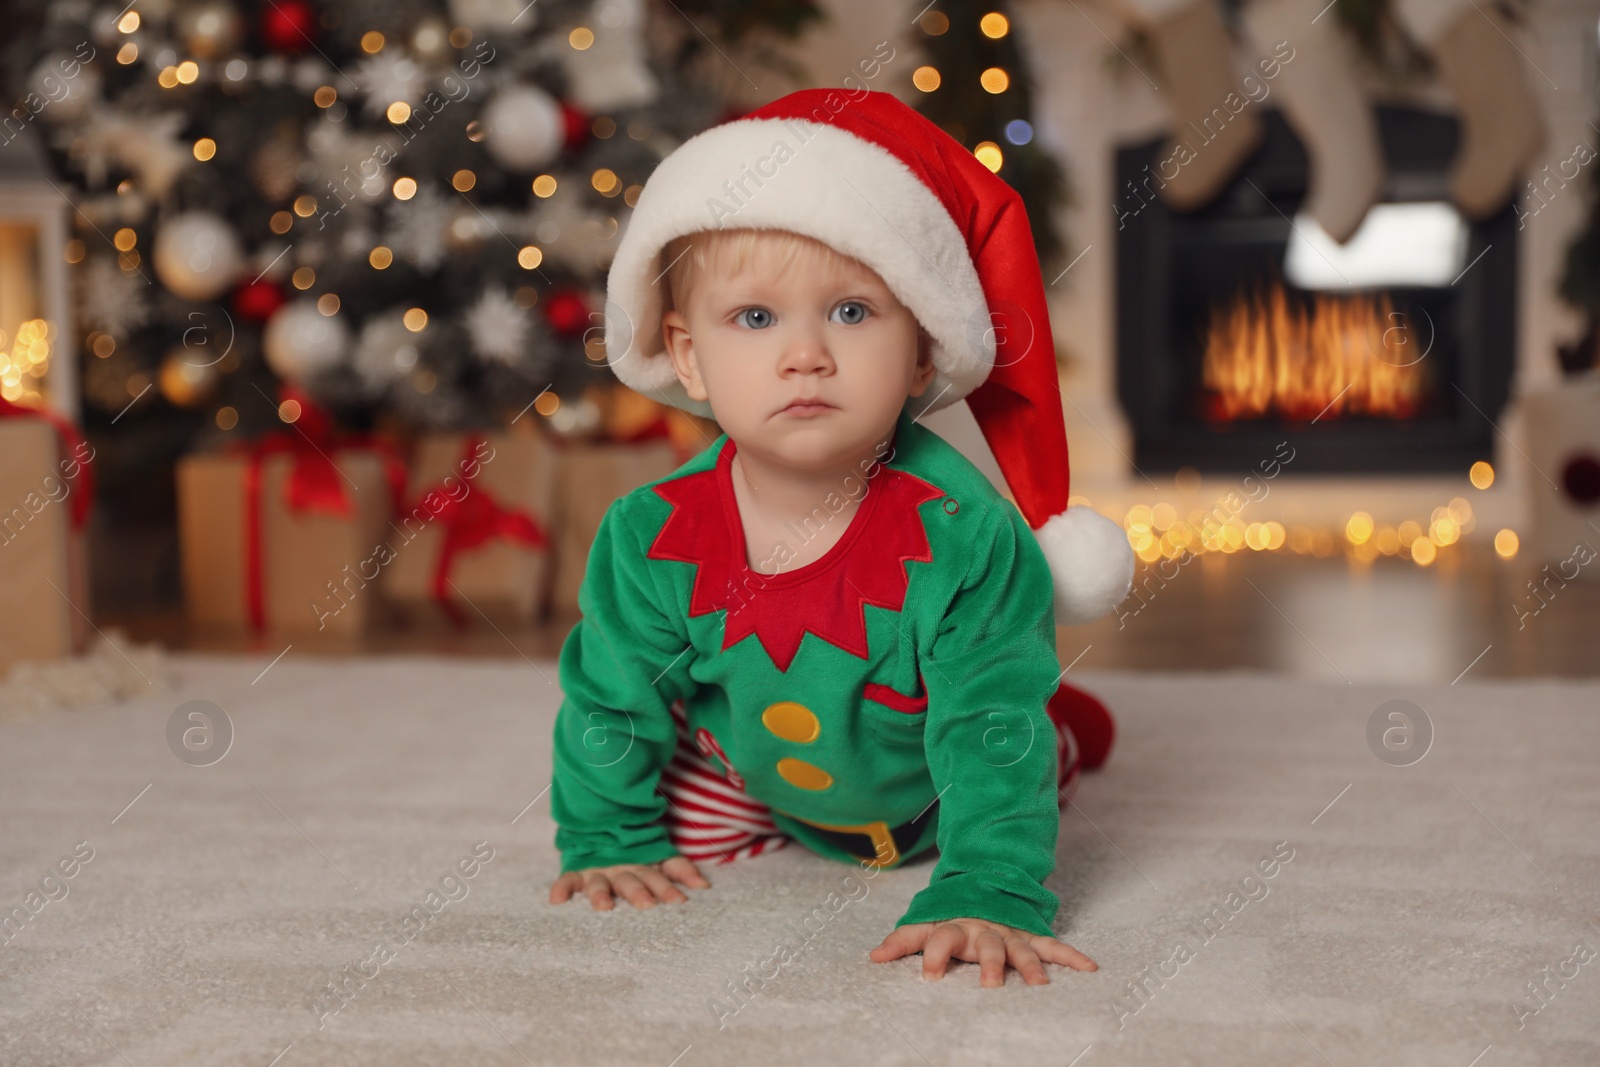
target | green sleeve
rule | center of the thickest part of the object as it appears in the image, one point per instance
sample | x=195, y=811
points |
x=991, y=746
x=621, y=667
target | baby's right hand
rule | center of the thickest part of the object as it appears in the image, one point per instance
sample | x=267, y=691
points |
x=639, y=883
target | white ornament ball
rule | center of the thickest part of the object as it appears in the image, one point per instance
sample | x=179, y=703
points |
x=388, y=350
x=197, y=256
x=62, y=88
x=301, y=342
x=525, y=127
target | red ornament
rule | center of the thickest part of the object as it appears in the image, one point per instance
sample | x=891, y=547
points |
x=256, y=301
x=576, y=127
x=567, y=313
x=287, y=25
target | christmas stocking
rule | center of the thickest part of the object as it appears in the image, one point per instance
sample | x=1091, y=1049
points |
x=1192, y=47
x=1327, y=109
x=1500, y=122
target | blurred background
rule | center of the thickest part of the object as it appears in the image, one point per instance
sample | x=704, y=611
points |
x=276, y=279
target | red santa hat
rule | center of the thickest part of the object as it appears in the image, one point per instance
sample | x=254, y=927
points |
x=870, y=177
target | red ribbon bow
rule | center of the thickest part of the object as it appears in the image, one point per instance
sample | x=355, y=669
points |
x=469, y=522
x=69, y=439
x=315, y=484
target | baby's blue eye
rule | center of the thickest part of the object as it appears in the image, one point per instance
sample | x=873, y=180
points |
x=850, y=312
x=758, y=318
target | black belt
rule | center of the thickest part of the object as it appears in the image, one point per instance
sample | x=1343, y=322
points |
x=873, y=842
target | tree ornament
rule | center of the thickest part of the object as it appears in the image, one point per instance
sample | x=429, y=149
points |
x=210, y=30
x=256, y=301
x=499, y=328
x=301, y=342
x=525, y=126
x=288, y=25
x=567, y=312
x=197, y=256
x=387, y=350
x=185, y=383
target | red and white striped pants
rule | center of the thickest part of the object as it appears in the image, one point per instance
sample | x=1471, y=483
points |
x=710, y=818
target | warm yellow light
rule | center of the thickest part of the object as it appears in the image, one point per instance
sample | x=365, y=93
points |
x=1163, y=515
x=604, y=181
x=1255, y=535
x=994, y=25
x=1359, y=528
x=398, y=112
x=129, y=22
x=304, y=278
x=372, y=42
x=1276, y=535
x=989, y=155
x=380, y=257
x=289, y=410
x=305, y=205
x=325, y=96
x=1445, y=531
x=1506, y=543
x=167, y=78
x=127, y=53
x=581, y=38
x=1482, y=474
x=1138, y=518
x=529, y=257
x=1460, y=510
x=925, y=78
x=204, y=149
x=227, y=418
x=415, y=319
x=995, y=80
x=281, y=221
x=544, y=185
x=1423, y=552
x=463, y=180
x=934, y=23
x=188, y=71
x=125, y=239
x=1409, y=531
x=405, y=188
x=1387, y=540
x=328, y=304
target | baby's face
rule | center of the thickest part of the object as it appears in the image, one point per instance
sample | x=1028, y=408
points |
x=752, y=343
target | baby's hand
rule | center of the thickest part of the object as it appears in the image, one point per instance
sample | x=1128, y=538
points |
x=989, y=944
x=640, y=883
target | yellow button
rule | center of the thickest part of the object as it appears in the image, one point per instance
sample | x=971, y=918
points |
x=791, y=721
x=799, y=773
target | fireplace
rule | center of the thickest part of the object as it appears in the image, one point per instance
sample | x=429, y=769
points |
x=1239, y=324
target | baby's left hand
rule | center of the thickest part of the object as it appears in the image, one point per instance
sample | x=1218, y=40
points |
x=989, y=944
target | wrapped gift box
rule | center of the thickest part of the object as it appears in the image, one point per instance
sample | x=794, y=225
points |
x=590, y=477
x=316, y=569
x=44, y=595
x=472, y=543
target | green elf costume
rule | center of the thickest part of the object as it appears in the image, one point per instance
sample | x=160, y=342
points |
x=901, y=692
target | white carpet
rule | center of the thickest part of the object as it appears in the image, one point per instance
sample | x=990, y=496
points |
x=1413, y=915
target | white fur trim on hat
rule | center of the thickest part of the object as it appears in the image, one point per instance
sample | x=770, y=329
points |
x=1091, y=563
x=814, y=180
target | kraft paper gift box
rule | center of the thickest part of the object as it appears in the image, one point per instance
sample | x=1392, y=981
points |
x=590, y=477
x=471, y=542
x=44, y=591
x=264, y=545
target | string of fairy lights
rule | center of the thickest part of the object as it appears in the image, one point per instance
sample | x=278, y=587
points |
x=1158, y=531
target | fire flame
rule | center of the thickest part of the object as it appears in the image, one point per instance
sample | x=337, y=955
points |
x=1341, y=355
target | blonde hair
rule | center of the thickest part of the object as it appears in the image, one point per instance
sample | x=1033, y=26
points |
x=683, y=258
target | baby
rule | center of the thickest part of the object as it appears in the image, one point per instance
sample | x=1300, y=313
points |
x=829, y=626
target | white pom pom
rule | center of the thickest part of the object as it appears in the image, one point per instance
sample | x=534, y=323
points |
x=1091, y=564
